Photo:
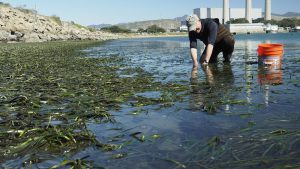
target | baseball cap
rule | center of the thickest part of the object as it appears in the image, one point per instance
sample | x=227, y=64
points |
x=191, y=22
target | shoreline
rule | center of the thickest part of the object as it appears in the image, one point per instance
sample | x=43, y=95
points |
x=136, y=36
x=132, y=36
x=114, y=37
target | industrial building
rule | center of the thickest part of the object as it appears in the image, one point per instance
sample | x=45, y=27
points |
x=226, y=13
x=234, y=13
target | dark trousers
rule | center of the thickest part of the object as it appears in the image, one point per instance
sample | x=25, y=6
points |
x=226, y=46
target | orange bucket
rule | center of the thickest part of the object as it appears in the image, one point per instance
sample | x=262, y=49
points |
x=270, y=54
x=270, y=50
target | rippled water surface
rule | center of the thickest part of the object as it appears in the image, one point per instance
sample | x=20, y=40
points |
x=237, y=115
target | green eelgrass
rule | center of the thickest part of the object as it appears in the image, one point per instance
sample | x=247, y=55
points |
x=49, y=92
x=260, y=148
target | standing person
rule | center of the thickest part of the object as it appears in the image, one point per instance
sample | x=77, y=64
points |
x=215, y=37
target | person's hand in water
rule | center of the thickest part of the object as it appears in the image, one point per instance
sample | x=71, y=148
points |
x=194, y=73
x=204, y=62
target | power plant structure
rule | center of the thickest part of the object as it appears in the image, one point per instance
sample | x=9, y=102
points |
x=248, y=11
x=234, y=13
x=226, y=13
x=268, y=10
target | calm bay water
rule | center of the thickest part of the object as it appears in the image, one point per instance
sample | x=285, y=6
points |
x=227, y=104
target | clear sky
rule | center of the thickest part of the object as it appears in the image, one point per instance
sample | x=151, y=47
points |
x=87, y=12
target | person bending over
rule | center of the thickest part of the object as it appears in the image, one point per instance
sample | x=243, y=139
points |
x=215, y=37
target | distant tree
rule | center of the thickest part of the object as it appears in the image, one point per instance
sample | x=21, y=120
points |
x=155, y=29
x=116, y=29
x=289, y=22
x=258, y=20
x=173, y=30
x=286, y=22
x=272, y=22
x=141, y=30
x=238, y=20
x=262, y=20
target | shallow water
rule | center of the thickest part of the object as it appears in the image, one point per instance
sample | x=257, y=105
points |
x=238, y=115
x=229, y=101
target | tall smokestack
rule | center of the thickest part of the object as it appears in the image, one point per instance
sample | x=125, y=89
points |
x=249, y=10
x=225, y=11
x=268, y=10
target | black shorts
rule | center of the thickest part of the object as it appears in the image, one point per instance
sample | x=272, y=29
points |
x=226, y=45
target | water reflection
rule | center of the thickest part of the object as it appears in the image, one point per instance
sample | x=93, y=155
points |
x=205, y=95
x=248, y=69
x=270, y=74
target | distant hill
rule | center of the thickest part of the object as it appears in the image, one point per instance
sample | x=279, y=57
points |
x=283, y=16
x=167, y=24
x=99, y=26
x=182, y=18
x=291, y=14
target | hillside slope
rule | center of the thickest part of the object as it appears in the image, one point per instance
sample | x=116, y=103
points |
x=23, y=25
x=279, y=17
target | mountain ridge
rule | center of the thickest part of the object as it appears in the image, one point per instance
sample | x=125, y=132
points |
x=174, y=23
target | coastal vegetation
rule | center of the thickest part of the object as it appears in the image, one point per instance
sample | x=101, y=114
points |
x=79, y=26
x=166, y=24
x=286, y=22
x=150, y=29
x=116, y=29
x=56, y=19
x=239, y=20
x=50, y=92
x=155, y=29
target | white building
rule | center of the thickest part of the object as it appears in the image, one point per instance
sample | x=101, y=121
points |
x=234, y=13
x=246, y=28
x=183, y=28
x=271, y=28
x=215, y=13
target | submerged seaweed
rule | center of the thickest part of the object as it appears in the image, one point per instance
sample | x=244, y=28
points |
x=50, y=92
x=92, y=105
